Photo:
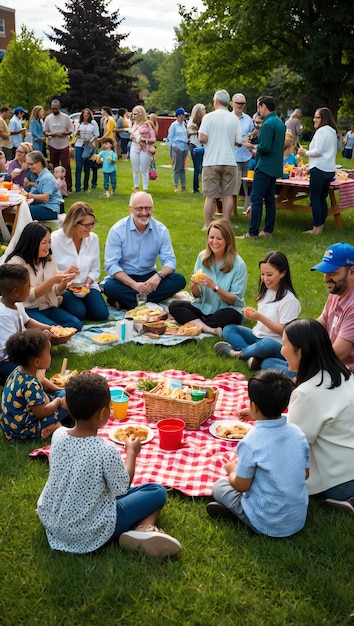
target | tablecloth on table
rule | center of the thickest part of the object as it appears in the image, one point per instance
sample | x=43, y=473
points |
x=195, y=467
x=346, y=193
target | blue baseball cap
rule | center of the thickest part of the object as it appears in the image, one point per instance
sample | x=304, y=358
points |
x=181, y=111
x=20, y=110
x=336, y=256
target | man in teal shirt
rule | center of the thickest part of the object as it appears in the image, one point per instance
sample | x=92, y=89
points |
x=269, y=166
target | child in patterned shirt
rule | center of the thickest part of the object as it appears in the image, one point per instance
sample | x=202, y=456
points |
x=87, y=500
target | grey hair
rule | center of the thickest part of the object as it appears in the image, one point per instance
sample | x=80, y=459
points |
x=222, y=96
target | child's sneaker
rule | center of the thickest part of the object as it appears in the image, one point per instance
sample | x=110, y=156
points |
x=153, y=541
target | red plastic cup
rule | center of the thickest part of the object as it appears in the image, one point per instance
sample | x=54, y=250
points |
x=171, y=432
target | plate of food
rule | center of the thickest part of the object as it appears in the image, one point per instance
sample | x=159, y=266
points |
x=105, y=339
x=60, y=379
x=80, y=291
x=148, y=312
x=229, y=430
x=120, y=434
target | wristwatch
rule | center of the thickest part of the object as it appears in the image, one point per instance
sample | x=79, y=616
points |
x=216, y=288
x=160, y=274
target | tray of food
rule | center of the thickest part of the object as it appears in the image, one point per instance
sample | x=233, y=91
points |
x=148, y=312
x=105, y=339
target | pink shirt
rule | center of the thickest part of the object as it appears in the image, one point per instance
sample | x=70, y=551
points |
x=338, y=314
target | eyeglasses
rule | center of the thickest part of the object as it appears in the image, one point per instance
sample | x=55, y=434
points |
x=139, y=209
x=87, y=224
x=20, y=152
x=240, y=103
x=317, y=117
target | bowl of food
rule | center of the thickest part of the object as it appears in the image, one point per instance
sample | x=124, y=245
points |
x=157, y=328
x=59, y=334
x=80, y=291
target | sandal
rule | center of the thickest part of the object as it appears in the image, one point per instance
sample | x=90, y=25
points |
x=222, y=347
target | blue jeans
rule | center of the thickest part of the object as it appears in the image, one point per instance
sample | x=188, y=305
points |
x=242, y=338
x=91, y=307
x=84, y=164
x=110, y=176
x=126, y=296
x=319, y=188
x=340, y=492
x=54, y=315
x=136, y=504
x=41, y=213
x=263, y=188
x=197, y=158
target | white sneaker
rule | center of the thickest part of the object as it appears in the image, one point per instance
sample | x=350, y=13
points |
x=155, y=542
x=105, y=194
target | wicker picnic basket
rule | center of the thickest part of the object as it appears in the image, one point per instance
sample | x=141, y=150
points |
x=193, y=413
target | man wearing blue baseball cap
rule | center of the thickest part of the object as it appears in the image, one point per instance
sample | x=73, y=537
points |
x=337, y=316
x=16, y=129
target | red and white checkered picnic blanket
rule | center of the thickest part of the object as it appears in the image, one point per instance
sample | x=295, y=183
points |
x=195, y=467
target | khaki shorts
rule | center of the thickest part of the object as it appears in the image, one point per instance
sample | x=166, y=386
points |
x=218, y=179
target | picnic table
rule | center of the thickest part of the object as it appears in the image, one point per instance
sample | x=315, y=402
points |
x=292, y=192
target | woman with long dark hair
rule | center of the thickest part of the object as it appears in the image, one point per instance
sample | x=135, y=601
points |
x=322, y=405
x=47, y=283
x=86, y=131
x=277, y=305
x=322, y=165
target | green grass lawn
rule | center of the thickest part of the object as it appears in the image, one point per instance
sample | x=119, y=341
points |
x=224, y=576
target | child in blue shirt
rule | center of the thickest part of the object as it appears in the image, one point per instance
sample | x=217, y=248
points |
x=265, y=487
x=109, y=158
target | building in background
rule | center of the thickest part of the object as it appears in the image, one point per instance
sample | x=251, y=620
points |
x=7, y=27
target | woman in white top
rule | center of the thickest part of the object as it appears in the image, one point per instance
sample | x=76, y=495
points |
x=75, y=244
x=322, y=165
x=322, y=405
x=277, y=305
x=87, y=131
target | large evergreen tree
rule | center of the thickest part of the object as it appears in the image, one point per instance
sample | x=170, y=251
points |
x=90, y=48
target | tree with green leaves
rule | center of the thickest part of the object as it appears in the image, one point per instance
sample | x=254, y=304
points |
x=89, y=46
x=243, y=42
x=28, y=74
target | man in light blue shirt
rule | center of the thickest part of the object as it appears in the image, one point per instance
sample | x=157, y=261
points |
x=242, y=154
x=132, y=247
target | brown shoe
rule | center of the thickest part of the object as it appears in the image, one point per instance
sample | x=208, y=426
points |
x=264, y=233
x=343, y=505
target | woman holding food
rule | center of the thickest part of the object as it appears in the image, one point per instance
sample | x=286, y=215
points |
x=47, y=283
x=18, y=168
x=218, y=284
x=76, y=244
x=322, y=405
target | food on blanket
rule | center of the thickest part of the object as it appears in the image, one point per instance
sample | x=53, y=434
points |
x=157, y=328
x=187, y=330
x=78, y=290
x=198, y=275
x=122, y=434
x=145, y=314
x=105, y=337
x=237, y=431
x=176, y=393
x=60, y=331
x=61, y=379
x=147, y=384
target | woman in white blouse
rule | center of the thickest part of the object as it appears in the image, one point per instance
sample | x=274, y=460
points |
x=75, y=244
x=87, y=131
